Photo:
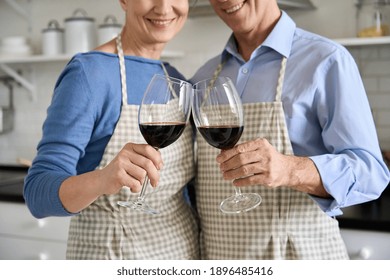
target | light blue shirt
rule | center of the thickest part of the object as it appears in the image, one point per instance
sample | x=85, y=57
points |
x=326, y=108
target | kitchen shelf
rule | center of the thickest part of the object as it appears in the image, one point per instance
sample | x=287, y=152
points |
x=5, y=61
x=356, y=42
x=65, y=57
x=9, y=59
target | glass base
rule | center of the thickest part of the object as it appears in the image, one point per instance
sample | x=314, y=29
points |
x=141, y=206
x=240, y=203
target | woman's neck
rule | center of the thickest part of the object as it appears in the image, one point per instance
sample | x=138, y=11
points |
x=133, y=46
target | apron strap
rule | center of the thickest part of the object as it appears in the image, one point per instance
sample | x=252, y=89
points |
x=279, y=88
x=122, y=68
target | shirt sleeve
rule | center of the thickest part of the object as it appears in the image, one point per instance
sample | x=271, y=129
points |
x=66, y=133
x=353, y=171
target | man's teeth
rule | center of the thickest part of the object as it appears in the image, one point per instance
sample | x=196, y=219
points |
x=235, y=8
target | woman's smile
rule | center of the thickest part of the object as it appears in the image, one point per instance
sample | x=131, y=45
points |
x=161, y=22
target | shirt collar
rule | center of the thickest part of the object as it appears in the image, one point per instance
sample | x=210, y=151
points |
x=280, y=39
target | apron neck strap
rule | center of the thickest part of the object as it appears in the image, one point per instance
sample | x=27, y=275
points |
x=122, y=68
x=279, y=88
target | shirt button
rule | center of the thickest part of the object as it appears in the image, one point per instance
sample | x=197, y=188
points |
x=245, y=70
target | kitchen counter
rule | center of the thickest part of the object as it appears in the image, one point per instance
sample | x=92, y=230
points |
x=23, y=237
x=374, y=215
x=11, y=183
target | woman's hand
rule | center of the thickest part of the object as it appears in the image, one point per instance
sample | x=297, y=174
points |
x=128, y=168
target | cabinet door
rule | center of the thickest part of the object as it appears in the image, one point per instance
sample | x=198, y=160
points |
x=17, y=221
x=30, y=249
x=22, y=237
x=367, y=245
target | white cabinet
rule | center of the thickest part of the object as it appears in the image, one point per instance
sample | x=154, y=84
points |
x=367, y=244
x=22, y=237
x=360, y=42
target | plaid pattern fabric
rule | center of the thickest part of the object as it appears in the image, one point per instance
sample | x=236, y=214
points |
x=105, y=230
x=286, y=225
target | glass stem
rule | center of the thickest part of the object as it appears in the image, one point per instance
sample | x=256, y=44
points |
x=238, y=191
x=141, y=196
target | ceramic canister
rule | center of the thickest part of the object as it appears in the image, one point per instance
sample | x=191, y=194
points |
x=80, y=33
x=108, y=30
x=53, y=39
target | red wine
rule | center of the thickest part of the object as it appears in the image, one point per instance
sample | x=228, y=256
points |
x=161, y=134
x=222, y=136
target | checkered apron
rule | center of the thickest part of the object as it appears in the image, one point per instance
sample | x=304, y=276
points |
x=287, y=224
x=105, y=230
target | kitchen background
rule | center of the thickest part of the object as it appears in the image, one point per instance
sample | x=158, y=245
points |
x=202, y=38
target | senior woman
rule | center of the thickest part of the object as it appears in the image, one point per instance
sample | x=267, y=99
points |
x=91, y=147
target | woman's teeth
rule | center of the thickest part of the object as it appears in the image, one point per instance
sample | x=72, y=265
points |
x=160, y=22
x=235, y=8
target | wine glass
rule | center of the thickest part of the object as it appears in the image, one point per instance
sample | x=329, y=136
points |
x=162, y=117
x=219, y=118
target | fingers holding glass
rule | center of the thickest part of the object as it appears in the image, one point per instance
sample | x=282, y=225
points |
x=219, y=118
x=162, y=117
